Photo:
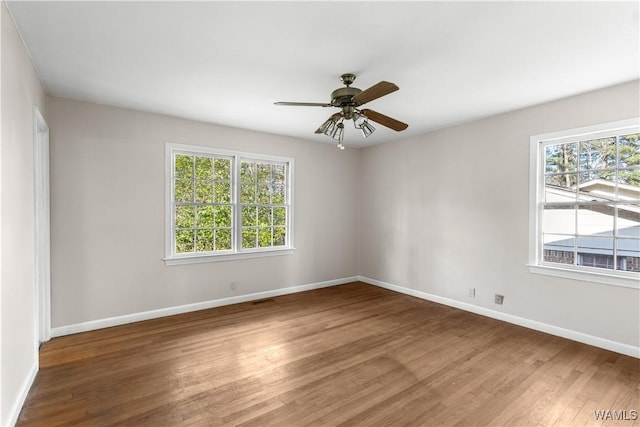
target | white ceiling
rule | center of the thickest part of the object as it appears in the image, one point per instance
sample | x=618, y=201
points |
x=227, y=62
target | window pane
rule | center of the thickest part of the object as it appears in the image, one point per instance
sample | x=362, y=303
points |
x=222, y=192
x=249, y=216
x=560, y=188
x=278, y=173
x=185, y=241
x=559, y=249
x=222, y=169
x=204, y=217
x=558, y=220
x=264, y=194
x=223, y=239
x=263, y=172
x=279, y=216
x=204, y=192
x=223, y=216
x=595, y=251
x=598, y=154
x=249, y=236
x=595, y=220
x=597, y=185
x=278, y=194
x=279, y=236
x=183, y=166
x=264, y=237
x=629, y=150
x=560, y=158
x=629, y=254
x=185, y=217
x=629, y=157
x=595, y=260
x=264, y=216
x=629, y=184
x=204, y=168
x=183, y=191
x=204, y=240
x=628, y=223
x=248, y=193
x=247, y=172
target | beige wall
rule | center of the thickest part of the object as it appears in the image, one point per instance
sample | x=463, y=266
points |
x=448, y=211
x=21, y=91
x=107, y=204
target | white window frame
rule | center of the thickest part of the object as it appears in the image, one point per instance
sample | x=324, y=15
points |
x=536, y=197
x=173, y=258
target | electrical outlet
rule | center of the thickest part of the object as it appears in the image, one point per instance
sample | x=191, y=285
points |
x=499, y=299
x=472, y=292
x=233, y=286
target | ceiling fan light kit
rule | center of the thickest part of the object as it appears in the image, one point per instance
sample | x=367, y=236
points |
x=360, y=121
x=348, y=99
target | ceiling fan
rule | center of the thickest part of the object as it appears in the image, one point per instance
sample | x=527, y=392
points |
x=348, y=99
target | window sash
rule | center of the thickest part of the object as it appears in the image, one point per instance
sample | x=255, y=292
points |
x=196, y=228
x=286, y=204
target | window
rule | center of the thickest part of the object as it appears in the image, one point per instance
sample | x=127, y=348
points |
x=585, y=203
x=226, y=205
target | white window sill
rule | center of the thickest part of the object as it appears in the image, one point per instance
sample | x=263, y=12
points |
x=196, y=259
x=623, y=279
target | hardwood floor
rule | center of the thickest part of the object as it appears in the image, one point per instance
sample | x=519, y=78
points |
x=346, y=355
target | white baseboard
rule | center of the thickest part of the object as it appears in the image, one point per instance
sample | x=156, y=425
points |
x=170, y=311
x=604, y=343
x=14, y=413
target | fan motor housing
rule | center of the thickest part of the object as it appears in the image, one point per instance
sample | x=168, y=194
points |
x=344, y=96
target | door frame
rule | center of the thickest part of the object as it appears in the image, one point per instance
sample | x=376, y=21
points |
x=42, y=228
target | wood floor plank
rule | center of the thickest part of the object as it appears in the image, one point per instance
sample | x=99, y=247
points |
x=347, y=355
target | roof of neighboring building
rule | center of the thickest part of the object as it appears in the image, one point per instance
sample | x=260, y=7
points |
x=602, y=243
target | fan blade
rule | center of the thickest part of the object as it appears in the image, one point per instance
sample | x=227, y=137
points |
x=385, y=120
x=374, y=92
x=335, y=117
x=303, y=104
